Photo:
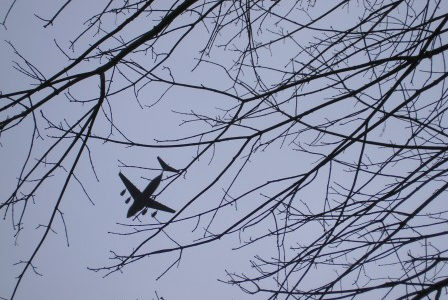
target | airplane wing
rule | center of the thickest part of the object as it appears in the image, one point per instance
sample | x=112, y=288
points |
x=135, y=193
x=151, y=188
x=159, y=206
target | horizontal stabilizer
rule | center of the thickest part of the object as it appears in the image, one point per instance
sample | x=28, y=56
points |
x=165, y=166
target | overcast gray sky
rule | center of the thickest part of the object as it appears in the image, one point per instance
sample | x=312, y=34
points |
x=64, y=269
x=93, y=230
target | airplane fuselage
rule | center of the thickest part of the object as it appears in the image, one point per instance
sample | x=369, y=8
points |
x=138, y=205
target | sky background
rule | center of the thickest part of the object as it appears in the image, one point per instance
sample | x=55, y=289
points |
x=91, y=227
x=64, y=269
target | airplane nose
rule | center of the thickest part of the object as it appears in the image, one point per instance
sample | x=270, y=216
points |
x=132, y=211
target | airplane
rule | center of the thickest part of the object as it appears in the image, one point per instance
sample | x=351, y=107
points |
x=143, y=200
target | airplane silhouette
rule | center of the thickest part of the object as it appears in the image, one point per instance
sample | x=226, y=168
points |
x=145, y=199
